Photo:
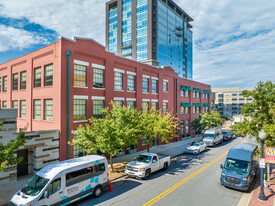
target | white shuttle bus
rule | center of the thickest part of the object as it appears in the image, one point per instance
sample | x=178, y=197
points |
x=65, y=182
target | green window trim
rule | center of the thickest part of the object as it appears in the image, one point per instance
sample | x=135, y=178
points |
x=197, y=90
x=197, y=104
x=186, y=88
x=206, y=105
x=186, y=104
x=206, y=92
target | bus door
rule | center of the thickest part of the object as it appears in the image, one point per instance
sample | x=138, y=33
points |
x=53, y=193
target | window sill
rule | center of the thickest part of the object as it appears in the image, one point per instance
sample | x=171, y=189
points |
x=155, y=93
x=132, y=91
x=145, y=93
x=119, y=90
x=165, y=91
x=79, y=121
x=80, y=87
x=99, y=88
x=48, y=121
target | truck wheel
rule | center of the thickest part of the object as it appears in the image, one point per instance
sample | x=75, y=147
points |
x=165, y=166
x=97, y=191
x=147, y=174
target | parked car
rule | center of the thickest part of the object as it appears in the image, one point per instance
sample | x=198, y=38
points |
x=227, y=135
x=212, y=137
x=65, y=182
x=240, y=167
x=147, y=163
x=196, y=148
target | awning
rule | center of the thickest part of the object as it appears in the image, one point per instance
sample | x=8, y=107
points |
x=186, y=104
x=206, y=92
x=197, y=90
x=206, y=105
x=186, y=88
x=197, y=104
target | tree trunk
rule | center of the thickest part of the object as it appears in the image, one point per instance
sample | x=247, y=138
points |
x=111, y=162
x=148, y=146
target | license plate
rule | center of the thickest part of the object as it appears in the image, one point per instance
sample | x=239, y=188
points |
x=231, y=184
x=131, y=173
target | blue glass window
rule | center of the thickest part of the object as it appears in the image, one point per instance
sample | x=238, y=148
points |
x=142, y=32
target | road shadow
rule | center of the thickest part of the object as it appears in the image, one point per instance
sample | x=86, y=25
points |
x=123, y=185
x=181, y=163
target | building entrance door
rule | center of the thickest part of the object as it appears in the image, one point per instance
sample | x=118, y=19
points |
x=22, y=167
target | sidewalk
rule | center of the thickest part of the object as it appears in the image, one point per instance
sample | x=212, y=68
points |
x=172, y=149
x=251, y=199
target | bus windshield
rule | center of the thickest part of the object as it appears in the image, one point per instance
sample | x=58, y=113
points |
x=236, y=165
x=35, y=185
x=144, y=158
x=209, y=136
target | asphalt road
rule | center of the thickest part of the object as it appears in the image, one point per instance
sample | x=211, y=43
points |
x=194, y=180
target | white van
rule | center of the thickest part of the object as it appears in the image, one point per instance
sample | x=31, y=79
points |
x=65, y=182
x=213, y=137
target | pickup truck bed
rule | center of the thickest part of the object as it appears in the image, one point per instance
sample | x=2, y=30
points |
x=161, y=156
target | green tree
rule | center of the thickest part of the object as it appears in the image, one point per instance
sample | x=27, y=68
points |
x=109, y=135
x=259, y=114
x=7, y=157
x=156, y=125
x=207, y=121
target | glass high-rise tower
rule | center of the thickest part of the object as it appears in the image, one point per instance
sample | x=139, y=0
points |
x=157, y=32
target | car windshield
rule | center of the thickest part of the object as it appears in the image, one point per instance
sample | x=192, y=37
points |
x=144, y=158
x=197, y=144
x=225, y=132
x=236, y=165
x=35, y=185
x=209, y=136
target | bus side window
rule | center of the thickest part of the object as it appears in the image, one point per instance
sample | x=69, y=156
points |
x=99, y=169
x=102, y=167
x=84, y=174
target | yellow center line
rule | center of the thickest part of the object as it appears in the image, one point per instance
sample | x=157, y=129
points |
x=171, y=189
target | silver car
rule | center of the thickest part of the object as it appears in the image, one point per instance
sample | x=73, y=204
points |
x=196, y=148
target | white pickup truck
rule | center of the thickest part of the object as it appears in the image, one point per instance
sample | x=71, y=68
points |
x=147, y=163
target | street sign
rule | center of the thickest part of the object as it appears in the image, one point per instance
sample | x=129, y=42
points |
x=262, y=163
x=270, y=155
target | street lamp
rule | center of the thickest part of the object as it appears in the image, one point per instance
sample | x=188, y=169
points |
x=262, y=136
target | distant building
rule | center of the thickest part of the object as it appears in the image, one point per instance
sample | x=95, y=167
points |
x=228, y=101
x=157, y=32
x=240, y=118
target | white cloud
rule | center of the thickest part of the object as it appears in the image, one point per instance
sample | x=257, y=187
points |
x=85, y=18
x=13, y=38
x=233, y=40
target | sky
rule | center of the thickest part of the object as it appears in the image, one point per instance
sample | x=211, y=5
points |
x=233, y=40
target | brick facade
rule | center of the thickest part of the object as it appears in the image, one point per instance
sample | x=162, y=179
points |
x=90, y=54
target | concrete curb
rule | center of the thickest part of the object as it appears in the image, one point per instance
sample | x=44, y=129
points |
x=246, y=197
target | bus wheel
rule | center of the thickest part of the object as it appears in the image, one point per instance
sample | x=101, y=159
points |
x=97, y=191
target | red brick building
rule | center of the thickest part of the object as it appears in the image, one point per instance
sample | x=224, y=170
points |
x=37, y=84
